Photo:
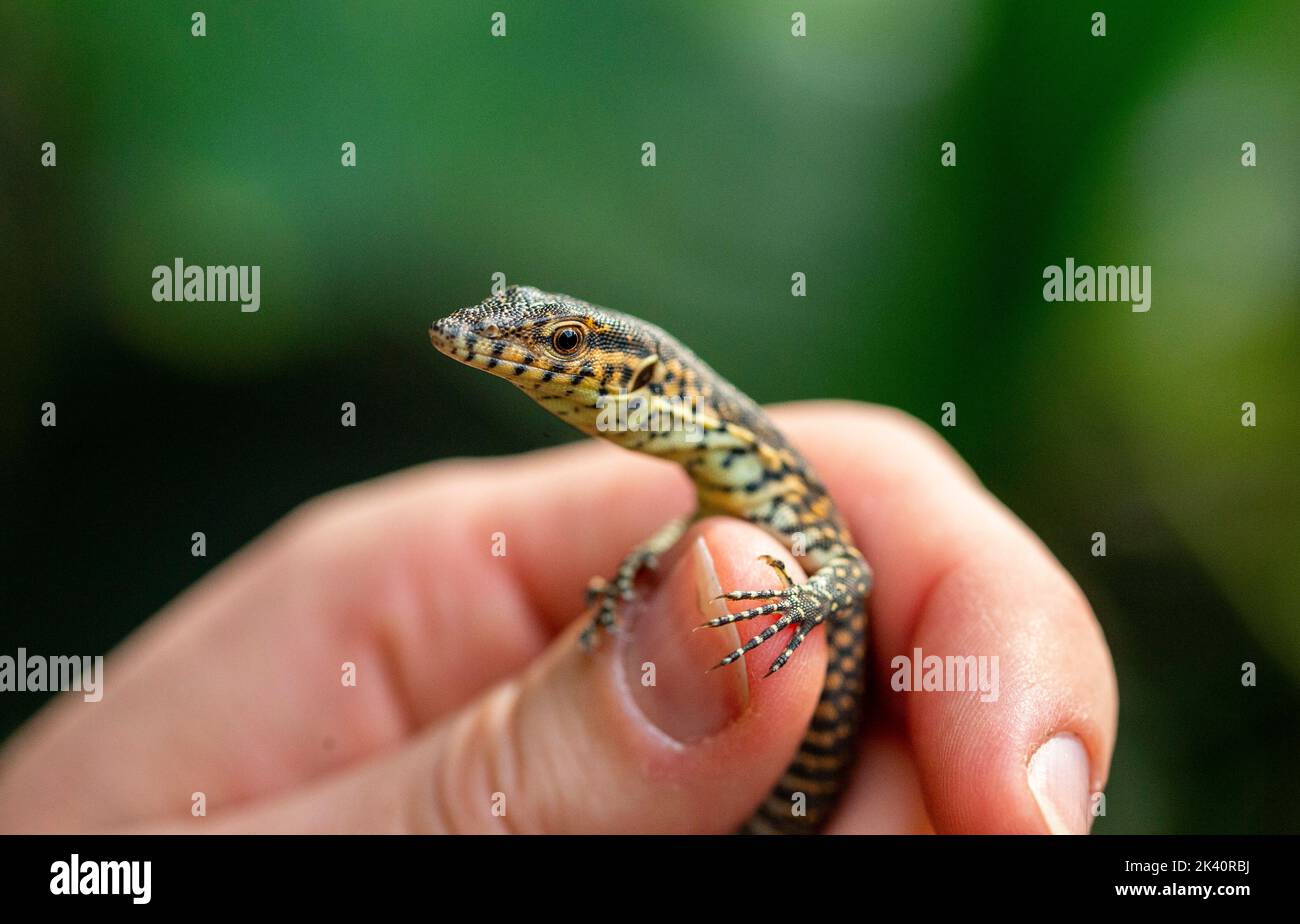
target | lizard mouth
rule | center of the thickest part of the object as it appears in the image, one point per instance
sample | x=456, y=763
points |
x=444, y=333
x=451, y=338
x=454, y=338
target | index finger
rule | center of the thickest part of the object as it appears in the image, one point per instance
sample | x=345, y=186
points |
x=959, y=577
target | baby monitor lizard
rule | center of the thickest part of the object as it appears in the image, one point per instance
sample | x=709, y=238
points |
x=590, y=366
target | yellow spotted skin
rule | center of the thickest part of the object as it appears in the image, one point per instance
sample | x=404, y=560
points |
x=624, y=380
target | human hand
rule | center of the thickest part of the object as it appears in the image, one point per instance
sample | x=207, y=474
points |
x=472, y=694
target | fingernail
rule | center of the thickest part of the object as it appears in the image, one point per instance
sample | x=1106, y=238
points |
x=667, y=664
x=1059, y=780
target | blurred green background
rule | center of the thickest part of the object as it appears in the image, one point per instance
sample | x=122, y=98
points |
x=776, y=155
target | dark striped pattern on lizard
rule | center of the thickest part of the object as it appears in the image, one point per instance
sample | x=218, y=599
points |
x=626, y=381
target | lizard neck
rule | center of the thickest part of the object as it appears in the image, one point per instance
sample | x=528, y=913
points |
x=674, y=427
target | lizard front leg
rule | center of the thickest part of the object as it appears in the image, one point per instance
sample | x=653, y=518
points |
x=606, y=594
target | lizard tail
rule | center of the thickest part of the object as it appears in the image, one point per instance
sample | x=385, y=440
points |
x=810, y=786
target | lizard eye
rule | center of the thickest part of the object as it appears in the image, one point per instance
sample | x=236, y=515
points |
x=567, y=340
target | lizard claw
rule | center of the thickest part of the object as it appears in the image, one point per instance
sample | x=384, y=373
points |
x=779, y=567
x=800, y=605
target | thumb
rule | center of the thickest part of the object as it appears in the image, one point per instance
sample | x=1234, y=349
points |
x=637, y=736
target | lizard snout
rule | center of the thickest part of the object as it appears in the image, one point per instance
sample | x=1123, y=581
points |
x=447, y=334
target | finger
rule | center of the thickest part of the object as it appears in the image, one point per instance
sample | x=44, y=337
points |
x=639, y=736
x=394, y=581
x=958, y=576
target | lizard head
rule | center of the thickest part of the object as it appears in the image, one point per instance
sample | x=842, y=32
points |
x=565, y=353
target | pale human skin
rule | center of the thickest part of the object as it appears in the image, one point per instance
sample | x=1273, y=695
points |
x=472, y=695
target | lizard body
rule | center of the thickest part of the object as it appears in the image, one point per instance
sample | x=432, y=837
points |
x=598, y=369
